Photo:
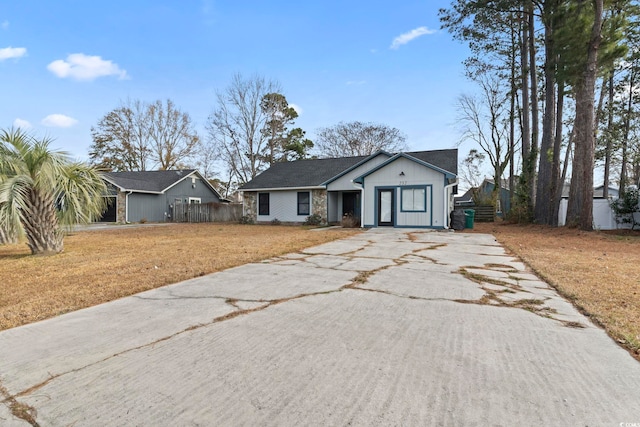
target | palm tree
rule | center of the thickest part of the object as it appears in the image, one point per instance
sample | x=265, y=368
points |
x=42, y=190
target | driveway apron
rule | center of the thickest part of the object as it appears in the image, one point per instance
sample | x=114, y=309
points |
x=389, y=327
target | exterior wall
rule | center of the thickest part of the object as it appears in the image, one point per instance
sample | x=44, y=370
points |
x=283, y=206
x=344, y=182
x=415, y=219
x=250, y=205
x=191, y=187
x=334, y=206
x=147, y=207
x=121, y=204
x=156, y=207
x=319, y=204
x=415, y=175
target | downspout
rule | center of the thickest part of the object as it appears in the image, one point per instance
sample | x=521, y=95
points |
x=446, y=202
x=126, y=207
x=361, y=203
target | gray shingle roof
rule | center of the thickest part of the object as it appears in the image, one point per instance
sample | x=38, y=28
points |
x=301, y=173
x=147, y=181
x=444, y=159
x=314, y=172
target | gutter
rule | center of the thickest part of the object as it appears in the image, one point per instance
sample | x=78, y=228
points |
x=446, y=200
x=315, y=187
x=126, y=207
x=361, y=202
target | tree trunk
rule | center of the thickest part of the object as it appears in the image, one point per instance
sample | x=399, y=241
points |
x=40, y=224
x=512, y=116
x=609, y=136
x=533, y=155
x=556, y=183
x=625, y=137
x=544, y=190
x=580, y=209
x=565, y=164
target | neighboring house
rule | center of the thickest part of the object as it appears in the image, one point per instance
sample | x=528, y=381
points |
x=484, y=194
x=598, y=192
x=402, y=190
x=150, y=195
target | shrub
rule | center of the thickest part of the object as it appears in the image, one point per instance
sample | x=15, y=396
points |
x=246, y=219
x=275, y=221
x=314, y=219
x=349, y=221
x=625, y=207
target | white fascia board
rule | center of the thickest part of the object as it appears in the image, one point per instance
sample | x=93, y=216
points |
x=141, y=191
x=178, y=181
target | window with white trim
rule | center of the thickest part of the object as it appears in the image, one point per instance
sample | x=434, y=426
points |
x=414, y=199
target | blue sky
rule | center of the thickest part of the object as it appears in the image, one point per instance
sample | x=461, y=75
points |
x=65, y=64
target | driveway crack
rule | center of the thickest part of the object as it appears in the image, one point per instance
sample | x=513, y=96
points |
x=18, y=409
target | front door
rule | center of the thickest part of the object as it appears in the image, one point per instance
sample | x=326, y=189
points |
x=351, y=204
x=385, y=207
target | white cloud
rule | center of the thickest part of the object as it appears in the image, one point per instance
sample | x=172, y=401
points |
x=12, y=52
x=21, y=123
x=59, y=121
x=79, y=66
x=4, y=25
x=297, y=108
x=411, y=35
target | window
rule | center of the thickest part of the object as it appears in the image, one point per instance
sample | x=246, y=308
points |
x=303, y=203
x=414, y=200
x=263, y=203
x=194, y=200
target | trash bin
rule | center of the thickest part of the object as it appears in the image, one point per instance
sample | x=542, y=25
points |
x=469, y=216
x=457, y=220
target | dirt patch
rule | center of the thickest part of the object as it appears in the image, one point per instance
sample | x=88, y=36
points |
x=100, y=266
x=598, y=271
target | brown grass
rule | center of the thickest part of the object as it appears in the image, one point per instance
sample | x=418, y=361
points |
x=598, y=271
x=100, y=266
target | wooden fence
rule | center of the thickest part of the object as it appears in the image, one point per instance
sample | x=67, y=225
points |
x=206, y=212
x=484, y=213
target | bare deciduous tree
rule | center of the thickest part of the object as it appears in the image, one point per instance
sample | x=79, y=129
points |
x=484, y=120
x=358, y=139
x=171, y=135
x=141, y=136
x=235, y=127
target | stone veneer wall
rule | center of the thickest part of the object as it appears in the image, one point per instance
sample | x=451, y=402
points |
x=121, y=206
x=319, y=204
x=250, y=207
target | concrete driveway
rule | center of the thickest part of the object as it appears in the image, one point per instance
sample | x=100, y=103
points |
x=390, y=327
